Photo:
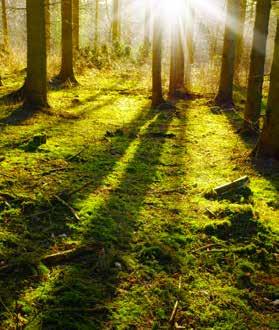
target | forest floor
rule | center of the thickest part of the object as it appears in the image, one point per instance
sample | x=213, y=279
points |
x=125, y=188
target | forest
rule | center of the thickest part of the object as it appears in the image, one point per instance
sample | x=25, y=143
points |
x=139, y=164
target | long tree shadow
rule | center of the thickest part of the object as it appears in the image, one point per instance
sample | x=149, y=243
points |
x=79, y=297
x=48, y=219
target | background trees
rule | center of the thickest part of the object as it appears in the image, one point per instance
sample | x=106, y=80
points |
x=91, y=28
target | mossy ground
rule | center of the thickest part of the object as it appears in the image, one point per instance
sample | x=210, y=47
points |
x=137, y=179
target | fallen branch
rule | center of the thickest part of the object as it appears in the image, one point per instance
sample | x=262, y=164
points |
x=232, y=186
x=68, y=207
x=68, y=255
x=58, y=258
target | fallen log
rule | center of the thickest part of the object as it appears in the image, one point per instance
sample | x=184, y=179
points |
x=56, y=258
x=232, y=186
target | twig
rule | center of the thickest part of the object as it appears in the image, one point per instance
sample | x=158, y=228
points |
x=205, y=247
x=64, y=256
x=175, y=307
x=81, y=188
x=75, y=155
x=68, y=206
x=55, y=170
x=173, y=314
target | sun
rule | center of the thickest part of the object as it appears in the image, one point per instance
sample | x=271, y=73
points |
x=172, y=8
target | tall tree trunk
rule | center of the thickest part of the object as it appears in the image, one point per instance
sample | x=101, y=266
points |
x=269, y=141
x=96, y=32
x=47, y=3
x=76, y=25
x=225, y=92
x=257, y=64
x=189, y=58
x=147, y=29
x=240, y=39
x=177, y=63
x=36, y=81
x=157, y=90
x=5, y=26
x=115, y=21
x=67, y=63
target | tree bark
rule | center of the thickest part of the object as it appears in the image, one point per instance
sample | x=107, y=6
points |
x=157, y=90
x=76, y=25
x=225, y=92
x=47, y=4
x=115, y=21
x=177, y=61
x=67, y=62
x=35, y=88
x=256, y=74
x=268, y=145
x=5, y=26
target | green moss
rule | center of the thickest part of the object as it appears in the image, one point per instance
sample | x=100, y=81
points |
x=136, y=178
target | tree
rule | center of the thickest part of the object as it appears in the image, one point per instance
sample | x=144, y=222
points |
x=115, y=21
x=256, y=74
x=177, y=60
x=76, y=25
x=240, y=38
x=189, y=58
x=269, y=140
x=67, y=62
x=225, y=93
x=35, y=88
x=48, y=25
x=5, y=26
x=96, y=34
x=157, y=90
x=147, y=28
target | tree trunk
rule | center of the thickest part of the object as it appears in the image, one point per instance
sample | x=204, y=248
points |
x=240, y=40
x=5, y=26
x=48, y=25
x=96, y=34
x=269, y=141
x=35, y=88
x=177, y=63
x=147, y=29
x=257, y=64
x=157, y=91
x=67, y=63
x=115, y=21
x=76, y=25
x=189, y=61
x=225, y=92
